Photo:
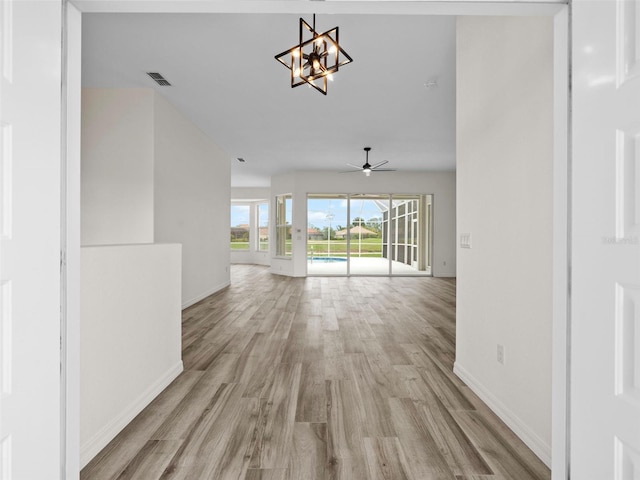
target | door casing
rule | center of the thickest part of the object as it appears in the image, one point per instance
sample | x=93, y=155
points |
x=558, y=9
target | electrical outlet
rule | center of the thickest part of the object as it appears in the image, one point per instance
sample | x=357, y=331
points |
x=500, y=354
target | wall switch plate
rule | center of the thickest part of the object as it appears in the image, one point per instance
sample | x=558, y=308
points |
x=465, y=240
x=500, y=354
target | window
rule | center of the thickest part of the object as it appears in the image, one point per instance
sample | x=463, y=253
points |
x=283, y=225
x=263, y=227
x=240, y=227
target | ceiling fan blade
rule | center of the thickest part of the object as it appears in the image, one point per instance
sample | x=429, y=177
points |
x=373, y=167
x=384, y=170
x=351, y=171
x=355, y=166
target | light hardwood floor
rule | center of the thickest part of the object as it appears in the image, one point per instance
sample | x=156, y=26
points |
x=318, y=378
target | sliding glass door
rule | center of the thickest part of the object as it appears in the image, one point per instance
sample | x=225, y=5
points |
x=368, y=234
x=327, y=217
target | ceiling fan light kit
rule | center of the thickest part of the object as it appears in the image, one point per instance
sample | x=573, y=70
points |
x=316, y=57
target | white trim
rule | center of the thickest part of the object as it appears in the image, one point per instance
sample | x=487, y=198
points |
x=204, y=295
x=299, y=7
x=107, y=433
x=561, y=249
x=520, y=428
x=71, y=206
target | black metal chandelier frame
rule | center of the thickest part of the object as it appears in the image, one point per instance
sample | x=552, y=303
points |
x=315, y=59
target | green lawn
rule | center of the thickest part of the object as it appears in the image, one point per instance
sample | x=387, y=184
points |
x=368, y=247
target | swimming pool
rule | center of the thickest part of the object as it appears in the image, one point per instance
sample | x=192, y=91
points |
x=326, y=259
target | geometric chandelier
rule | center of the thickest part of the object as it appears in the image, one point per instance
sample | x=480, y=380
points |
x=316, y=57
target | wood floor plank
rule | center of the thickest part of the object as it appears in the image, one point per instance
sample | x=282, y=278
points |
x=345, y=438
x=458, y=451
x=293, y=347
x=312, y=401
x=203, y=352
x=240, y=340
x=309, y=451
x=373, y=400
x=452, y=397
x=223, y=370
x=335, y=367
x=480, y=477
x=273, y=447
x=232, y=462
x=329, y=319
x=256, y=374
x=206, y=441
x=395, y=353
x=151, y=460
x=266, y=474
x=422, y=453
x=316, y=379
x=417, y=389
x=184, y=418
x=386, y=460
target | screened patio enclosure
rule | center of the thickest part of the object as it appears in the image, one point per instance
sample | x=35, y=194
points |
x=369, y=234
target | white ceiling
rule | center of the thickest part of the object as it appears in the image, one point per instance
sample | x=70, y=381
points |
x=225, y=79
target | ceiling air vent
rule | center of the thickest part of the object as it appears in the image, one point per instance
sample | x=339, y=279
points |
x=159, y=79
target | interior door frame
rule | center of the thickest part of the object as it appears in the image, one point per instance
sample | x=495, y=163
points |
x=559, y=10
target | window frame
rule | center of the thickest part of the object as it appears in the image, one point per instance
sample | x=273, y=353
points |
x=282, y=226
x=258, y=244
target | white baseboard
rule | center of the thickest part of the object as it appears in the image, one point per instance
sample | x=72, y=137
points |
x=203, y=295
x=107, y=433
x=521, y=429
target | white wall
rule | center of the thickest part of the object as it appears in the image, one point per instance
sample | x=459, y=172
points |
x=441, y=184
x=192, y=190
x=253, y=196
x=148, y=174
x=504, y=192
x=250, y=193
x=130, y=335
x=117, y=166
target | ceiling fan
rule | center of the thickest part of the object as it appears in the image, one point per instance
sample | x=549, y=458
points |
x=368, y=168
